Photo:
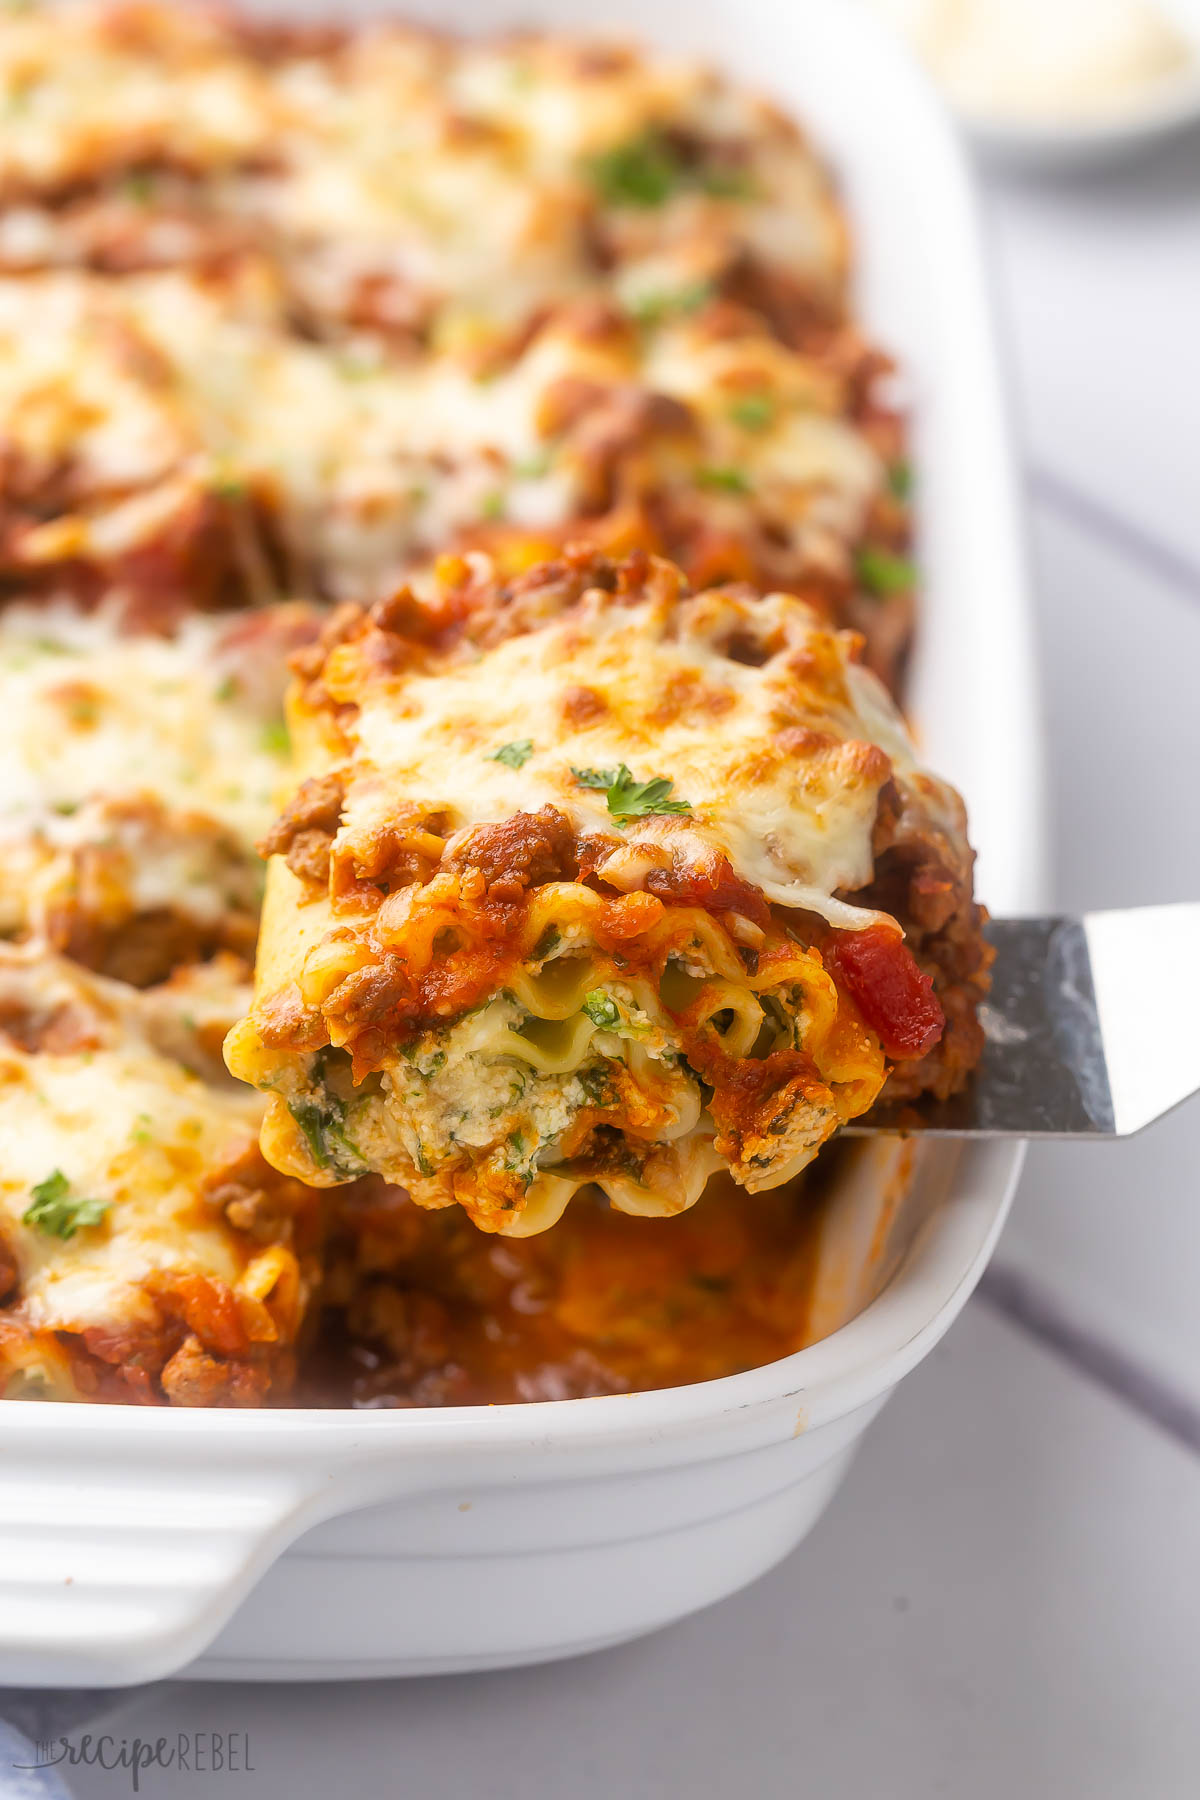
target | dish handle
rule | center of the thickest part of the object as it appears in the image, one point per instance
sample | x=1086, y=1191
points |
x=112, y=1572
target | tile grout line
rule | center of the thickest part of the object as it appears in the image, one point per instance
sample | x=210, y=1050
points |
x=1035, y=1310
x=1170, y=566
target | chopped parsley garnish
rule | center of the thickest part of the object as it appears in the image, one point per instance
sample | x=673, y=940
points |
x=602, y=1010
x=532, y=468
x=630, y=799
x=275, y=738
x=494, y=506
x=227, y=688
x=725, y=481
x=882, y=572
x=900, y=479
x=138, y=185
x=514, y=755
x=643, y=172
x=753, y=412
x=55, y=1212
x=227, y=484
x=646, y=170
x=653, y=308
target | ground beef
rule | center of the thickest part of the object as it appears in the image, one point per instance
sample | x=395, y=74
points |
x=303, y=833
x=524, y=851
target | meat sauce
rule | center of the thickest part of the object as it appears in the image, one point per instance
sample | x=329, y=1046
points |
x=424, y=1310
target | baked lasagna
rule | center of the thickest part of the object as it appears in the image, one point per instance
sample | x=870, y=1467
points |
x=519, y=293
x=147, y=1252
x=595, y=879
x=513, y=389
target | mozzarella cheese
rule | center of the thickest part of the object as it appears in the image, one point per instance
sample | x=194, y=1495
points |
x=777, y=763
x=136, y=1132
x=125, y=1124
x=142, y=397
x=88, y=710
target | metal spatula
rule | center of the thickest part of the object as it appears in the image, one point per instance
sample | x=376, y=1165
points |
x=1093, y=1030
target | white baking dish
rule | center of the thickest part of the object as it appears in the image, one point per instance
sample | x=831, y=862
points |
x=318, y=1544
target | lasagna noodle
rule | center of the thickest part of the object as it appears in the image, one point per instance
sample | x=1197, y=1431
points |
x=147, y=1253
x=478, y=978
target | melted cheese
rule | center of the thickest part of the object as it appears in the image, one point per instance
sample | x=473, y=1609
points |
x=88, y=711
x=132, y=1130
x=460, y=172
x=152, y=393
x=794, y=817
x=126, y=1124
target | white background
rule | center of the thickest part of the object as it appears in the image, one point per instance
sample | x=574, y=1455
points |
x=1005, y=1602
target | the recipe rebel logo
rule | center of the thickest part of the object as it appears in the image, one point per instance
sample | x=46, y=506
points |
x=208, y=1753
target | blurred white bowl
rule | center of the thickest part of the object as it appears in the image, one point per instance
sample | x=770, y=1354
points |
x=1058, y=84
x=1088, y=143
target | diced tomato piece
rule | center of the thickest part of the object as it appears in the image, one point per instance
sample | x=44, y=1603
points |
x=878, y=970
x=713, y=885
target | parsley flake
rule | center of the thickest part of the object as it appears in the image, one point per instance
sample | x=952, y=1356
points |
x=275, y=738
x=753, y=412
x=514, y=755
x=138, y=186
x=724, y=481
x=882, y=572
x=630, y=799
x=643, y=172
x=226, y=483
x=900, y=479
x=55, y=1212
x=595, y=778
x=653, y=307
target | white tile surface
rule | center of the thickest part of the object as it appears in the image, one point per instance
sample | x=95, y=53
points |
x=1099, y=283
x=1003, y=1604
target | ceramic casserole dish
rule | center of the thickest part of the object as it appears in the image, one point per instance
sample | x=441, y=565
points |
x=136, y=1544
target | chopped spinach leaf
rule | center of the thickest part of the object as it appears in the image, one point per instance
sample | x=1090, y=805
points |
x=602, y=1010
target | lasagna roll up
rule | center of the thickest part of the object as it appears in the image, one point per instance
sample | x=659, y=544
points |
x=585, y=883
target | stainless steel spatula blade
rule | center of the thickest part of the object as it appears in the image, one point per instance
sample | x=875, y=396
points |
x=1093, y=1030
